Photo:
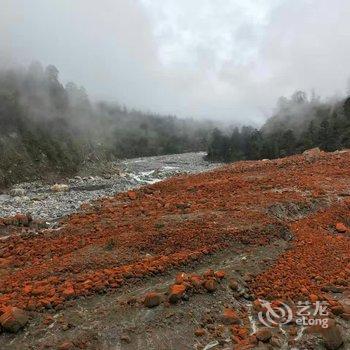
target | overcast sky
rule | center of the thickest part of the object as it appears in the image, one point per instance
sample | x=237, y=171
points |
x=227, y=59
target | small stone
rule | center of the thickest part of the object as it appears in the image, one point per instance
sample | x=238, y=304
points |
x=199, y=332
x=233, y=284
x=257, y=305
x=27, y=289
x=181, y=278
x=313, y=298
x=66, y=326
x=13, y=319
x=293, y=331
x=132, y=301
x=230, y=317
x=152, y=299
x=22, y=220
x=68, y=291
x=210, y=285
x=66, y=345
x=132, y=195
x=208, y=273
x=48, y=320
x=125, y=338
x=247, y=277
x=17, y=192
x=176, y=291
x=330, y=288
x=264, y=334
x=340, y=227
x=183, y=206
x=196, y=281
x=337, y=310
x=59, y=188
x=220, y=274
x=276, y=341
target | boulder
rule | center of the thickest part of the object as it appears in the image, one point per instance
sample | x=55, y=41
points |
x=196, y=281
x=340, y=227
x=59, y=188
x=230, y=317
x=315, y=150
x=220, y=274
x=337, y=310
x=233, y=284
x=13, y=319
x=152, y=299
x=176, y=292
x=312, y=153
x=313, y=298
x=199, y=332
x=209, y=273
x=264, y=334
x=331, y=335
x=210, y=285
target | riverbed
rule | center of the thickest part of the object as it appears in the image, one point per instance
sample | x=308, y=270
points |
x=38, y=199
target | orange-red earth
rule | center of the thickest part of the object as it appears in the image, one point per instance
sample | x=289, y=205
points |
x=147, y=231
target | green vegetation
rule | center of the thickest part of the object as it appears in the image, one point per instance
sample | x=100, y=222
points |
x=47, y=128
x=299, y=123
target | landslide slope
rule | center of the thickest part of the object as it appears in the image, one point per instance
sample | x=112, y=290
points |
x=178, y=222
x=181, y=219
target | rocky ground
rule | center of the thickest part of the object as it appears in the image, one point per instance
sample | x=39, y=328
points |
x=189, y=263
x=43, y=202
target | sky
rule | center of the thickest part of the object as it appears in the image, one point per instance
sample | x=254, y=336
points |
x=219, y=59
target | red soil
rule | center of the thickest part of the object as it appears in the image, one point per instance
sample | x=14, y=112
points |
x=173, y=222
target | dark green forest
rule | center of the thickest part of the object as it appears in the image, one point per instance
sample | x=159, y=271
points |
x=299, y=123
x=46, y=127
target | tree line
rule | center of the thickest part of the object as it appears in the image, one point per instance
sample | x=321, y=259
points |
x=50, y=128
x=299, y=123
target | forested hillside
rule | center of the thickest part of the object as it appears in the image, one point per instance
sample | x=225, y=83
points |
x=46, y=127
x=299, y=123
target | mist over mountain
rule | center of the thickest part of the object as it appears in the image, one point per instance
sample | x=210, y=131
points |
x=46, y=127
x=224, y=60
x=298, y=123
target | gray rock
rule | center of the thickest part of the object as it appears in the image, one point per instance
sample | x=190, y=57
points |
x=17, y=192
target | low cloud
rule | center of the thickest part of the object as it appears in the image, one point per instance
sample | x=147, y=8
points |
x=227, y=60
